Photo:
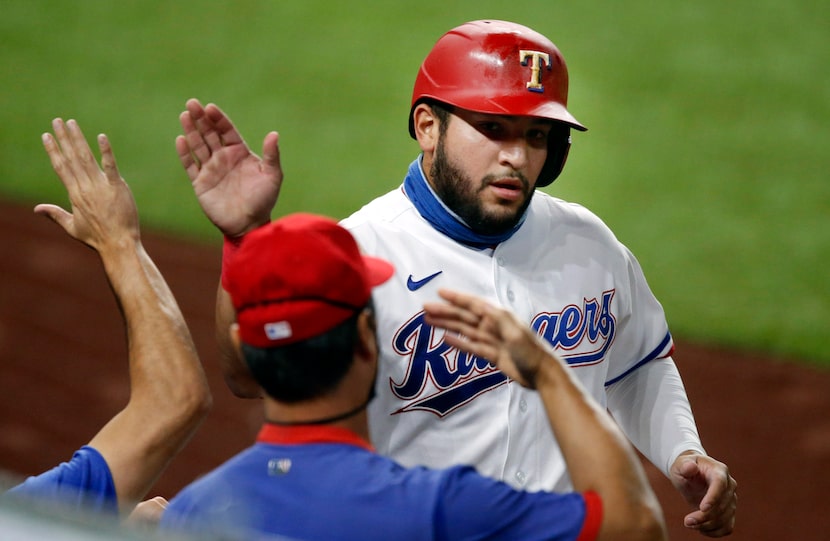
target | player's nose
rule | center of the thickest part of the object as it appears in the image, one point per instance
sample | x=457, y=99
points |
x=514, y=153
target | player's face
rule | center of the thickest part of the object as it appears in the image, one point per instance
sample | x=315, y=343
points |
x=485, y=167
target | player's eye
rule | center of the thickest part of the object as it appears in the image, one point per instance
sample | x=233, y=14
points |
x=491, y=128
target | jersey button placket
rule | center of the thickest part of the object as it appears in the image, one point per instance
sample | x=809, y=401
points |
x=500, y=263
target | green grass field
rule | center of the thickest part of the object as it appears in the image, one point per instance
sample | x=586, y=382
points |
x=705, y=150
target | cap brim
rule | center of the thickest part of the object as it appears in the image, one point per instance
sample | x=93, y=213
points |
x=378, y=270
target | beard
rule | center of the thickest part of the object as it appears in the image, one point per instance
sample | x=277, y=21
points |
x=460, y=194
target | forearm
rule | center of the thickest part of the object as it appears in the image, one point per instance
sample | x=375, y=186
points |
x=236, y=374
x=164, y=364
x=652, y=408
x=576, y=418
x=169, y=394
x=598, y=457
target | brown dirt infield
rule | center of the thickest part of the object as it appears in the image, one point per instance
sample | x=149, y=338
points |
x=63, y=362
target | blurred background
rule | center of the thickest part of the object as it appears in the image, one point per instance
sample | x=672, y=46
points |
x=706, y=150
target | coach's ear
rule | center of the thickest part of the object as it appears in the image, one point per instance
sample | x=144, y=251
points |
x=426, y=126
x=239, y=379
x=233, y=332
x=366, y=348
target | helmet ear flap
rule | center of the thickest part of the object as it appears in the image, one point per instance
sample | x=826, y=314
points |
x=559, y=144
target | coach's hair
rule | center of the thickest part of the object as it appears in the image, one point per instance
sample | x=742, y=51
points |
x=306, y=369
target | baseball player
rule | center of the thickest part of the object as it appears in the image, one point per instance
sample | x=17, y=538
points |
x=302, y=292
x=169, y=394
x=489, y=112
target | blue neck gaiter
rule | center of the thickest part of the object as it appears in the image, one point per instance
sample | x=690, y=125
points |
x=443, y=219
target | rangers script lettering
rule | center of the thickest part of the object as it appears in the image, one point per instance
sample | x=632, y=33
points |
x=460, y=377
x=568, y=329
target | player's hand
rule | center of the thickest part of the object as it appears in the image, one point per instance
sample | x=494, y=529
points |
x=148, y=512
x=236, y=188
x=104, y=213
x=707, y=485
x=477, y=327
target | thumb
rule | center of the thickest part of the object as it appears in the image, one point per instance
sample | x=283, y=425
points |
x=688, y=468
x=271, y=152
x=57, y=215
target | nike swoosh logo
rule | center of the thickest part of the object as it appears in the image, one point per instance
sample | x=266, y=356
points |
x=414, y=285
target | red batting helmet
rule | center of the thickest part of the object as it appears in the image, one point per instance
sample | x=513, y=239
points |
x=501, y=68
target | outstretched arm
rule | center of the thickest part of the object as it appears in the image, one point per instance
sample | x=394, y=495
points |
x=169, y=394
x=652, y=401
x=237, y=191
x=598, y=456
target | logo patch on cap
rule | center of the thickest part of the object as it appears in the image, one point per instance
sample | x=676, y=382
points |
x=278, y=330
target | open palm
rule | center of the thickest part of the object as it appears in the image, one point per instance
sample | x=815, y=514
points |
x=236, y=188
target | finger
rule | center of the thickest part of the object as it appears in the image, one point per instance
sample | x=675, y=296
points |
x=720, y=509
x=57, y=215
x=479, y=348
x=271, y=153
x=469, y=303
x=450, y=317
x=445, y=318
x=205, y=125
x=718, y=519
x=66, y=153
x=108, y=159
x=188, y=161
x=688, y=468
x=56, y=158
x=715, y=528
x=469, y=337
x=451, y=313
x=720, y=490
x=453, y=326
x=223, y=126
x=195, y=141
x=84, y=162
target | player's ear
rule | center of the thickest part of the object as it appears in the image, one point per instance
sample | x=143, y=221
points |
x=426, y=126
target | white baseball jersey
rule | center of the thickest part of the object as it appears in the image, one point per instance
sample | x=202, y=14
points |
x=563, y=271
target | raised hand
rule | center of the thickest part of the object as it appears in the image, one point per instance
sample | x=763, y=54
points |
x=236, y=189
x=489, y=332
x=103, y=209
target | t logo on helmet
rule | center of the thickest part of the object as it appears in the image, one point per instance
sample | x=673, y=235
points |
x=535, y=82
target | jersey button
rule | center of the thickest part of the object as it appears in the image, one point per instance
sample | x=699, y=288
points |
x=500, y=261
x=511, y=296
x=523, y=405
x=521, y=477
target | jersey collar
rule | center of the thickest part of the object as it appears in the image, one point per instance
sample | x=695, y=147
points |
x=308, y=434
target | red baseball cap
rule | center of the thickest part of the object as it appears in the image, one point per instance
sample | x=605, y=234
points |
x=298, y=277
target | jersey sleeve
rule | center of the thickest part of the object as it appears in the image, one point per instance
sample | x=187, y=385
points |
x=471, y=506
x=593, y=517
x=643, y=333
x=85, y=482
x=653, y=410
